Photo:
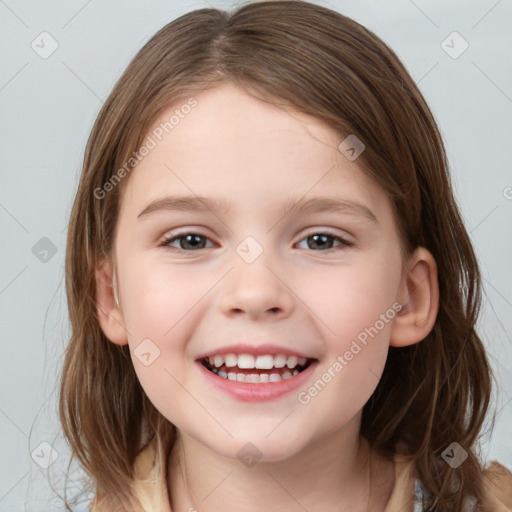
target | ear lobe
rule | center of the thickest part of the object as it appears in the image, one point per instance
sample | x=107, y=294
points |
x=419, y=296
x=109, y=312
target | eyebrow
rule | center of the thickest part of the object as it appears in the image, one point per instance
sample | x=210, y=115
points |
x=186, y=204
x=329, y=205
x=312, y=205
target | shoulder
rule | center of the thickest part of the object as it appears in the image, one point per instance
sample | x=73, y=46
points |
x=409, y=491
x=149, y=484
x=498, y=485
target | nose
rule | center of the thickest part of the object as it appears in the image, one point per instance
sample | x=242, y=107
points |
x=258, y=290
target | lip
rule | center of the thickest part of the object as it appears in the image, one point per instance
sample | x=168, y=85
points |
x=257, y=350
x=264, y=391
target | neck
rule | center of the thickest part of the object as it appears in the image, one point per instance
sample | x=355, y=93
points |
x=335, y=473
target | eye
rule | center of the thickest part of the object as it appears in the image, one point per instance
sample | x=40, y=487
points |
x=323, y=241
x=187, y=242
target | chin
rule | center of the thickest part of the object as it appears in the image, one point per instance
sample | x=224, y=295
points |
x=258, y=446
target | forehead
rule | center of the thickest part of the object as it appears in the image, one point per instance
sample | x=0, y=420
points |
x=236, y=147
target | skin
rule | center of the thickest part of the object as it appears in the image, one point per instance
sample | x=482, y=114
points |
x=256, y=156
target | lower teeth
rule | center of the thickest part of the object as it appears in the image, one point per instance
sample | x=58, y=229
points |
x=255, y=378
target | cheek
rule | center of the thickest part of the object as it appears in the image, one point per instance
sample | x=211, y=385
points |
x=355, y=307
x=158, y=333
x=158, y=301
x=155, y=310
x=355, y=359
x=348, y=299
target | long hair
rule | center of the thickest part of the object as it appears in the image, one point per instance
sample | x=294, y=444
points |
x=293, y=53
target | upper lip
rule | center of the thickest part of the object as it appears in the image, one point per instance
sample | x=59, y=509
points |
x=257, y=350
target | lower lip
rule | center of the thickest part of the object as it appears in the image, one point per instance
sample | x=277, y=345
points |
x=257, y=392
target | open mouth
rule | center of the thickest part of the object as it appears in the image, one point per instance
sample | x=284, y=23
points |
x=255, y=369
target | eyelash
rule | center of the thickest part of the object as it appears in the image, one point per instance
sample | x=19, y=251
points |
x=172, y=238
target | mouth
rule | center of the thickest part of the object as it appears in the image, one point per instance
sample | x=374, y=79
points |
x=256, y=369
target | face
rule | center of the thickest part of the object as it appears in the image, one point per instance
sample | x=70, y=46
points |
x=250, y=319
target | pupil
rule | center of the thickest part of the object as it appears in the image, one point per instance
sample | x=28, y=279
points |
x=190, y=238
x=315, y=238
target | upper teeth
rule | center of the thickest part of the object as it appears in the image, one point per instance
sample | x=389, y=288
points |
x=263, y=362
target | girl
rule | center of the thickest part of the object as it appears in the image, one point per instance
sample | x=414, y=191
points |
x=273, y=297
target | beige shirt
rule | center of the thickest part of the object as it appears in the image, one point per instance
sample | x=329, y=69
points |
x=151, y=484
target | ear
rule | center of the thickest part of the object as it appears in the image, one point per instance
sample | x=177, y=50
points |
x=419, y=297
x=109, y=312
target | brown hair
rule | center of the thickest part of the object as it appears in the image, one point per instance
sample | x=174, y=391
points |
x=322, y=63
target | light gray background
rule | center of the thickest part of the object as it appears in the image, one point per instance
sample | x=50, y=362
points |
x=47, y=110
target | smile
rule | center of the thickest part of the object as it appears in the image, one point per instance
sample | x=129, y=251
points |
x=255, y=369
